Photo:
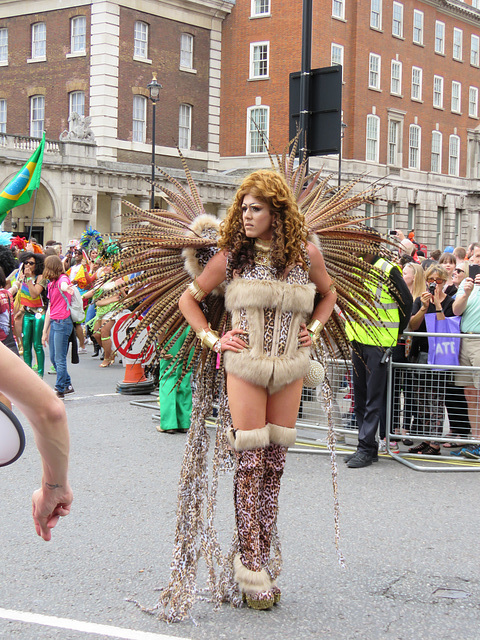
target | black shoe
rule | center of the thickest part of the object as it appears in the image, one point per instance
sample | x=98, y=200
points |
x=69, y=389
x=60, y=394
x=96, y=350
x=360, y=459
x=350, y=456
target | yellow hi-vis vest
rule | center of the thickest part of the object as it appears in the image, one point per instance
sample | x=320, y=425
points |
x=383, y=330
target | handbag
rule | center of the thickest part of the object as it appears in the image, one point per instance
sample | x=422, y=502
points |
x=75, y=307
x=315, y=374
x=443, y=350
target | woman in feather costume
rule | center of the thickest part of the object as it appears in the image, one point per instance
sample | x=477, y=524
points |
x=167, y=249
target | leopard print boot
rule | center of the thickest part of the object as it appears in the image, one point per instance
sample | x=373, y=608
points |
x=253, y=581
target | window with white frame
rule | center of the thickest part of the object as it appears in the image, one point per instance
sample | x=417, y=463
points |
x=475, y=50
x=186, y=51
x=438, y=92
x=476, y=4
x=439, y=37
x=3, y=45
x=338, y=9
x=417, y=78
x=376, y=14
x=457, y=43
x=77, y=103
x=140, y=39
x=3, y=116
x=411, y=216
x=397, y=19
x=39, y=40
x=414, y=147
x=185, y=126
x=454, y=156
x=259, y=59
x=396, y=78
x=260, y=8
x=417, y=26
x=373, y=137
x=257, y=129
x=374, y=71
x=391, y=209
x=473, y=102
x=393, y=142
x=436, y=155
x=139, y=121
x=78, y=34
x=336, y=57
x=456, y=105
x=37, y=116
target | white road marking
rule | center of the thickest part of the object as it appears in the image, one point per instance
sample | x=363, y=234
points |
x=104, y=630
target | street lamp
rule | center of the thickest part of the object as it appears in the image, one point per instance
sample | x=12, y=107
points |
x=154, y=89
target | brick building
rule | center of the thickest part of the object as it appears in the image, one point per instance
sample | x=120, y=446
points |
x=94, y=59
x=411, y=82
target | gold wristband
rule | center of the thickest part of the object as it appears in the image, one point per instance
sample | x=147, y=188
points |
x=208, y=338
x=315, y=328
x=198, y=293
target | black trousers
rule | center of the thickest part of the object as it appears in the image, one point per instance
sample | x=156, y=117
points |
x=370, y=394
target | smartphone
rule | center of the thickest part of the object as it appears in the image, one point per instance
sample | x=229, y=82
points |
x=392, y=232
x=473, y=270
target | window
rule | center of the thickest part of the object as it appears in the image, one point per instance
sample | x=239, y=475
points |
x=474, y=51
x=436, y=156
x=440, y=219
x=374, y=72
x=417, y=74
x=412, y=216
x=373, y=133
x=77, y=103
x=393, y=141
x=473, y=102
x=414, y=147
x=338, y=9
x=376, y=14
x=39, y=40
x=3, y=116
x=186, y=51
x=439, y=37
x=454, y=156
x=396, y=78
x=260, y=7
x=259, y=59
x=456, y=96
x=3, y=45
x=418, y=26
x=140, y=40
x=257, y=128
x=337, y=54
x=139, y=125
x=369, y=213
x=438, y=92
x=37, y=116
x=457, y=43
x=185, y=126
x=397, y=20
x=391, y=209
x=458, y=227
x=78, y=34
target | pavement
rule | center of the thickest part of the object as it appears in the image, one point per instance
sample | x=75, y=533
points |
x=407, y=537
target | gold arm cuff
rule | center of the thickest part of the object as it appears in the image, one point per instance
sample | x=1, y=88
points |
x=208, y=338
x=198, y=293
x=333, y=288
x=315, y=328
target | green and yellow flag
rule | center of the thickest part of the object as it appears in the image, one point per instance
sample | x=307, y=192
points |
x=19, y=190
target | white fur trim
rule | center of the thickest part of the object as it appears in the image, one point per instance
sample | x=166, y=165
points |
x=315, y=240
x=242, y=440
x=250, y=581
x=282, y=435
x=200, y=224
x=267, y=294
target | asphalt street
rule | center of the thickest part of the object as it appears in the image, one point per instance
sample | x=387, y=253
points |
x=408, y=538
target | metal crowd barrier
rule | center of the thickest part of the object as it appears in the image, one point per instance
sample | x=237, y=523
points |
x=424, y=403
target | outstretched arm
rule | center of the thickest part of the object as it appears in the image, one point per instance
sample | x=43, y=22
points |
x=48, y=419
x=323, y=282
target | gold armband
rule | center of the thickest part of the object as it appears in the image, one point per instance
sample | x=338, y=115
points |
x=315, y=328
x=198, y=293
x=208, y=338
x=333, y=288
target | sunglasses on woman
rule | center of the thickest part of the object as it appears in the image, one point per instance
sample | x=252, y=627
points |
x=457, y=270
x=437, y=280
x=32, y=264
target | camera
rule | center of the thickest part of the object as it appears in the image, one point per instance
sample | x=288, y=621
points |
x=432, y=287
x=392, y=232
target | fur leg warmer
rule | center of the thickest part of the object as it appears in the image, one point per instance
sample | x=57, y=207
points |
x=248, y=440
x=282, y=435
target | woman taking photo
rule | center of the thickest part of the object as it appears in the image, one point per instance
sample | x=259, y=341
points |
x=59, y=321
x=272, y=275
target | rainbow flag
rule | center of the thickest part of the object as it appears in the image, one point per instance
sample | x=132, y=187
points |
x=19, y=190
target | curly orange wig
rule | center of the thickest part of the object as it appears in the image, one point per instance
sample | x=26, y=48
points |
x=289, y=235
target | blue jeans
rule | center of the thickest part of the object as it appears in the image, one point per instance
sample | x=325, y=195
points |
x=60, y=331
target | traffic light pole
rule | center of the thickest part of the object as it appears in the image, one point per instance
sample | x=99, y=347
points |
x=305, y=79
